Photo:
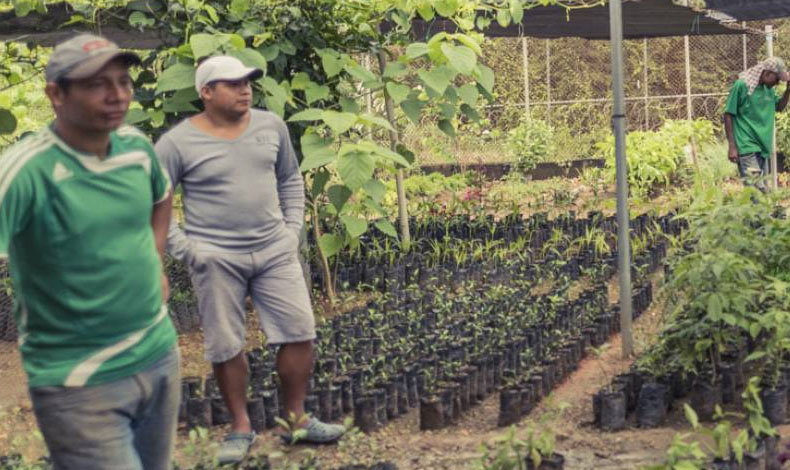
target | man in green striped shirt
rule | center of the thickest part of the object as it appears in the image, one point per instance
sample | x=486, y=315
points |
x=84, y=215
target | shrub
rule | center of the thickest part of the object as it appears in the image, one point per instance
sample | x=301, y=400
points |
x=529, y=143
x=655, y=158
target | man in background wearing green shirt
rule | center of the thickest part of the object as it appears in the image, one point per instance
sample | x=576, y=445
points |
x=84, y=215
x=749, y=119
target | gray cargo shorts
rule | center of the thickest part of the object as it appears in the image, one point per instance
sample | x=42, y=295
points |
x=272, y=277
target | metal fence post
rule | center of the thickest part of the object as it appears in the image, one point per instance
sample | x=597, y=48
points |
x=548, y=81
x=745, y=49
x=647, y=89
x=769, y=38
x=686, y=47
x=525, y=64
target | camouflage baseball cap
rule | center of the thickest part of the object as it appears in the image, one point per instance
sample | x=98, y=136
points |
x=83, y=56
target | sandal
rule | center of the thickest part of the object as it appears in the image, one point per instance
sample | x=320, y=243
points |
x=235, y=447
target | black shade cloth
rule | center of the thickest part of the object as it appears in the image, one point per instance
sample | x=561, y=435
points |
x=748, y=10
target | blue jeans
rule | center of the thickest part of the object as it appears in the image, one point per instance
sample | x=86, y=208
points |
x=754, y=169
x=129, y=424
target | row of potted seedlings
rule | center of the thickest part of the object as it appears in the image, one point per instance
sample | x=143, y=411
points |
x=427, y=344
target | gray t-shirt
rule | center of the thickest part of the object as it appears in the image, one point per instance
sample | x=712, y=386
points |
x=238, y=194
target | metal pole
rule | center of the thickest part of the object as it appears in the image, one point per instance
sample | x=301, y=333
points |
x=525, y=62
x=618, y=122
x=548, y=81
x=769, y=38
x=745, y=49
x=647, y=88
x=687, y=50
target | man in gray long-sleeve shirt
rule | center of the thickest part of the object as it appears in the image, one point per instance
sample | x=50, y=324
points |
x=243, y=199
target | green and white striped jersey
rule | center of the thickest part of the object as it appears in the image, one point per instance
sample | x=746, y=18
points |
x=82, y=257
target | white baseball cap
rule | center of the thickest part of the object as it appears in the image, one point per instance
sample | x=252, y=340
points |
x=223, y=67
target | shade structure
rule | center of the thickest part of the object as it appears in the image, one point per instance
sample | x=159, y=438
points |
x=641, y=19
x=749, y=10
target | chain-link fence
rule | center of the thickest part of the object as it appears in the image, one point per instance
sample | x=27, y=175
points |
x=567, y=83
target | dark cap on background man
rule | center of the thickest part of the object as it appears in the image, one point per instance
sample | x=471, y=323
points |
x=84, y=55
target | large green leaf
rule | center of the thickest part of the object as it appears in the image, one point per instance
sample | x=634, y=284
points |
x=339, y=122
x=239, y=7
x=270, y=52
x=276, y=95
x=330, y=244
x=362, y=74
x=354, y=225
x=516, y=11
x=355, y=168
x=176, y=77
x=416, y=49
x=373, y=120
x=178, y=106
x=205, y=44
x=468, y=94
x=503, y=17
x=470, y=112
x=317, y=152
x=332, y=65
x=438, y=78
x=395, y=70
x=250, y=58
x=398, y=92
x=133, y=116
x=425, y=11
x=485, y=77
x=386, y=226
x=376, y=149
x=446, y=8
x=446, y=126
x=407, y=154
x=374, y=206
x=320, y=178
x=447, y=110
x=461, y=58
x=375, y=189
x=413, y=109
x=314, y=93
x=300, y=81
x=7, y=121
x=469, y=42
x=338, y=195
x=309, y=114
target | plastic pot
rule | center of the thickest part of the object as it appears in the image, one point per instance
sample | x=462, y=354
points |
x=365, y=413
x=775, y=404
x=198, y=413
x=257, y=414
x=219, y=412
x=554, y=461
x=431, y=413
x=728, y=383
x=509, y=407
x=612, y=405
x=704, y=398
x=391, y=389
x=651, y=409
x=271, y=406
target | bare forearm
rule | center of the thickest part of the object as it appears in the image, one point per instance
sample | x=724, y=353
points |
x=728, y=130
x=160, y=223
x=785, y=98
